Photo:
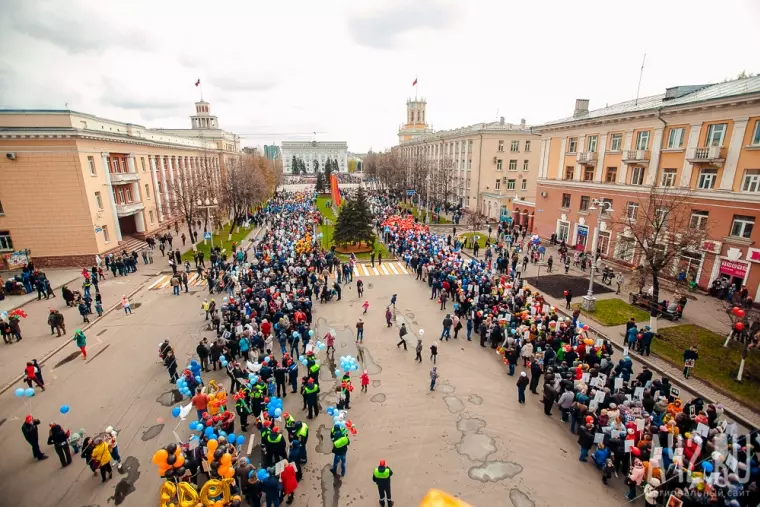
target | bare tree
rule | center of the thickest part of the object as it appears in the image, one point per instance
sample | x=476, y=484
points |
x=184, y=195
x=660, y=226
x=443, y=178
x=248, y=180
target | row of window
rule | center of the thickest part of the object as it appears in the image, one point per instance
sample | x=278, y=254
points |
x=512, y=165
x=510, y=184
x=741, y=225
x=457, y=147
x=706, y=179
x=117, y=164
x=514, y=146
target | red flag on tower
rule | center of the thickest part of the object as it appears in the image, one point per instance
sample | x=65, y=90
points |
x=415, y=82
x=197, y=83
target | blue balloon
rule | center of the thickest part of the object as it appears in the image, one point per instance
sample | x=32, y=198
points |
x=341, y=424
x=223, y=433
x=213, y=436
x=277, y=412
x=222, y=358
x=330, y=410
x=301, y=358
x=19, y=392
x=29, y=392
x=336, y=419
x=266, y=359
x=208, y=431
x=231, y=437
x=262, y=474
x=707, y=467
x=240, y=440
x=337, y=372
x=224, y=364
x=65, y=409
x=198, y=378
x=194, y=437
x=176, y=411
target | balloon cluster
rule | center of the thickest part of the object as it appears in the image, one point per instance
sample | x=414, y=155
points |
x=339, y=419
x=18, y=313
x=170, y=461
x=220, y=462
x=224, y=361
x=184, y=389
x=21, y=392
x=348, y=363
x=274, y=406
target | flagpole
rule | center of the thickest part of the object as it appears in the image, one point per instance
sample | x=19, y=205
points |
x=415, y=89
x=200, y=87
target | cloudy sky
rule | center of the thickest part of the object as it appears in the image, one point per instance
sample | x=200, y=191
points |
x=275, y=70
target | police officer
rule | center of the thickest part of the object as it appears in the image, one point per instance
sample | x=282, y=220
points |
x=242, y=407
x=340, y=449
x=257, y=396
x=382, y=477
x=276, y=446
x=289, y=426
x=313, y=370
x=311, y=392
x=302, y=435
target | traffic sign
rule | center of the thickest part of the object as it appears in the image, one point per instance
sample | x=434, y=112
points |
x=206, y=235
x=410, y=192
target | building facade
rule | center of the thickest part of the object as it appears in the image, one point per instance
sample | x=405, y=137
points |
x=76, y=185
x=494, y=166
x=704, y=139
x=415, y=123
x=315, y=154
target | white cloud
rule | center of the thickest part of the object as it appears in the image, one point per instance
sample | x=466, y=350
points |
x=283, y=70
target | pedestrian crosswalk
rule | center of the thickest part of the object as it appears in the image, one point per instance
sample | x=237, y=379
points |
x=360, y=270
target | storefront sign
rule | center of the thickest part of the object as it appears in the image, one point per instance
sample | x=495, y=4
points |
x=711, y=246
x=753, y=254
x=733, y=268
x=15, y=260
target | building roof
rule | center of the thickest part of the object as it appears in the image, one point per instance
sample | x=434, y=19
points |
x=496, y=126
x=675, y=96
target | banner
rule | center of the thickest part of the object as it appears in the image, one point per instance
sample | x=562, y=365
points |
x=334, y=190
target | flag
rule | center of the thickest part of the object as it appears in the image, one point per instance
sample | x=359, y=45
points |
x=415, y=82
x=197, y=83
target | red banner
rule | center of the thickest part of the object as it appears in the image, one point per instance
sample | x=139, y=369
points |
x=334, y=190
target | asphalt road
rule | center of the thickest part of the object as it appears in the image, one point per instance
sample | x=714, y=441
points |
x=469, y=437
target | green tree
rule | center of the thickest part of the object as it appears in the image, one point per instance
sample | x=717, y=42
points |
x=354, y=223
x=294, y=165
x=320, y=187
x=328, y=169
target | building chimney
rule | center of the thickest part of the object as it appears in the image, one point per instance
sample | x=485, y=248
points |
x=581, y=107
x=501, y=120
x=522, y=122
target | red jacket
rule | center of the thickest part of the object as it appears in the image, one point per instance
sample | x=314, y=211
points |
x=288, y=479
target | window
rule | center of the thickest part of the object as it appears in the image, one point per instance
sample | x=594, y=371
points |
x=625, y=248
x=637, y=175
x=715, y=134
x=6, y=243
x=572, y=144
x=565, y=200
x=160, y=189
x=150, y=215
x=469, y=164
x=513, y=165
x=603, y=242
x=675, y=138
x=106, y=236
x=642, y=140
x=615, y=142
x=707, y=178
x=698, y=220
x=611, y=175
x=525, y=165
x=147, y=191
x=469, y=145
x=501, y=145
x=631, y=211
x=499, y=165
x=569, y=172
x=515, y=146
x=142, y=163
x=588, y=173
x=527, y=146
x=751, y=180
x=755, y=137
x=91, y=163
x=498, y=183
x=660, y=218
x=585, y=200
x=524, y=185
x=115, y=165
x=98, y=200
x=511, y=184
x=742, y=226
x=591, y=143
x=668, y=177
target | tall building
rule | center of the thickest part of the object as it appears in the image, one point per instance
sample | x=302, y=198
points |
x=314, y=154
x=416, y=124
x=272, y=152
x=705, y=138
x=494, y=166
x=76, y=185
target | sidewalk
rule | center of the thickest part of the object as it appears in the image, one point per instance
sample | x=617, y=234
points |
x=57, y=277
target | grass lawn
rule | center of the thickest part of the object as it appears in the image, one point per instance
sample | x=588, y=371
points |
x=614, y=312
x=716, y=365
x=324, y=205
x=481, y=240
x=220, y=239
x=419, y=214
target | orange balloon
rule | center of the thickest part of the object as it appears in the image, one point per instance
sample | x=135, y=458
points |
x=218, y=503
x=212, y=446
x=223, y=470
x=180, y=461
x=160, y=457
x=229, y=473
x=226, y=459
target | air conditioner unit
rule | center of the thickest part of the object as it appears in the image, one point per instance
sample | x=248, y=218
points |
x=10, y=156
x=544, y=194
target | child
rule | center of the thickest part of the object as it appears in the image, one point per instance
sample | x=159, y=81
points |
x=433, y=378
x=76, y=440
x=365, y=381
x=126, y=305
x=607, y=471
x=99, y=308
x=434, y=352
x=393, y=301
x=418, y=350
x=113, y=445
x=365, y=306
x=330, y=340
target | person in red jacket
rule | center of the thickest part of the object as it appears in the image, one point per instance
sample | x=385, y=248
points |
x=266, y=328
x=30, y=375
x=289, y=482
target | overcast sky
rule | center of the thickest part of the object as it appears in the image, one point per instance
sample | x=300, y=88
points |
x=276, y=70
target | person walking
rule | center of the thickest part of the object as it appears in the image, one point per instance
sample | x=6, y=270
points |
x=31, y=435
x=522, y=384
x=30, y=375
x=81, y=340
x=364, y=381
x=568, y=298
x=175, y=285
x=446, y=323
x=619, y=281
x=84, y=311
x=418, y=350
x=60, y=441
x=382, y=477
x=690, y=357
x=102, y=455
x=433, y=377
x=126, y=305
x=340, y=450
x=434, y=352
x=401, y=334
x=360, y=331
x=388, y=316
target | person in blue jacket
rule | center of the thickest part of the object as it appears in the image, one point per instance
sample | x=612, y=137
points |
x=600, y=456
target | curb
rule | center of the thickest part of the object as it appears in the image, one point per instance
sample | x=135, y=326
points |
x=63, y=345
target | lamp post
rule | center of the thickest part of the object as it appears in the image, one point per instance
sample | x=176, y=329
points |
x=602, y=206
x=207, y=204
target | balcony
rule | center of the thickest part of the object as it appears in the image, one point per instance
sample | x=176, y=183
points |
x=130, y=208
x=586, y=157
x=124, y=177
x=636, y=156
x=708, y=155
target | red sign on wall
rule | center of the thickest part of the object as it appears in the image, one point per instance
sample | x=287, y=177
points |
x=733, y=268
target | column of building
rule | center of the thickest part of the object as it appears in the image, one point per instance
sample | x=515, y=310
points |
x=687, y=166
x=165, y=186
x=156, y=191
x=107, y=170
x=139, y=216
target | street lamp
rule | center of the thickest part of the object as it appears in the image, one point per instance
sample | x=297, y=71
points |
x=207, y=204
x=602, y=206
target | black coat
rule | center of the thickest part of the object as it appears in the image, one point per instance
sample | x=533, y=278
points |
x=585, y=437
x=30, y=430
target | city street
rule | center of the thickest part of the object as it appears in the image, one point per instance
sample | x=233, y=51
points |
x=470, y=437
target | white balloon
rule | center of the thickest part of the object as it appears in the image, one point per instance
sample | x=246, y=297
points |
x=422, y=331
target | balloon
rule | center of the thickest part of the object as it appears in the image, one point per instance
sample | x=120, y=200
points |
x=65, y=409
x=212, y=446
x=635, y=451
x=19, y=392
x=337, y=372
x=176, y=411
x=422, y=332
x=741, y=313
x=231, y=437
x=735, y=310
x=266, y=359
x=277, y=412
x=29, y=392
x=171, y=448
x=198, y=378
x=180, y=460
x=222, y=358
x=159, y=458
x=262, y=474
x=226, y=459
x=240, y=440
x=224, y=363
x=311, y=332
x=330, y=410
x=172, y=459
x=739, y=326
x=707, y=467
x=218, y=454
